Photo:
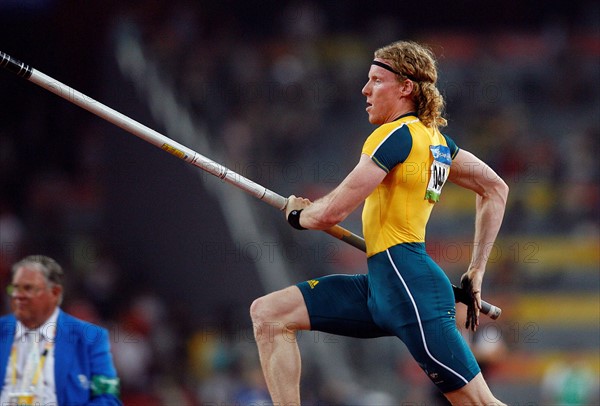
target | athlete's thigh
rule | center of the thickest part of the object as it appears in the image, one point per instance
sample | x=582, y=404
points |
x=283, y=306
x=337, y=304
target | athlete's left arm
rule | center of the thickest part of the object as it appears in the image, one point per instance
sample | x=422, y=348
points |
x=472, y=173
x=334, y=207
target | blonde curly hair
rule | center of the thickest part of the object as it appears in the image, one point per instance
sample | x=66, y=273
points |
x=417, y=63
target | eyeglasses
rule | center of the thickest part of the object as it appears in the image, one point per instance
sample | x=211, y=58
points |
x=25, y=290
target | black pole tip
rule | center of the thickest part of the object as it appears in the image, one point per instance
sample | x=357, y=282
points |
x=15, y=66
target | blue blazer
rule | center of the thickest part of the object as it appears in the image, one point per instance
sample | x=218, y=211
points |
x=84, y=373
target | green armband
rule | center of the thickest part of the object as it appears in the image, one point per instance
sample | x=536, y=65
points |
x=104, y=385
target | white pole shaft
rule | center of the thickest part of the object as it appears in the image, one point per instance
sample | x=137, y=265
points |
x=157, y=139
x=163, y=142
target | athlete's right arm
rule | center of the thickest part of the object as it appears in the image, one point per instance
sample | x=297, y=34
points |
x=472, y=173
x=334, y=207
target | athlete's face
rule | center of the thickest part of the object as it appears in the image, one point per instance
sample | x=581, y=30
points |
x=384, y=95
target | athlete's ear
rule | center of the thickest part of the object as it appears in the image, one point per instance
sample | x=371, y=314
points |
x=406, y=88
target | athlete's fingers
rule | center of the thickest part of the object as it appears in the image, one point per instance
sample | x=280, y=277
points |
x=295, y=203
x=474, y=303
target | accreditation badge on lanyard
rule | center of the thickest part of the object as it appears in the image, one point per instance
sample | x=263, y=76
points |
x=440, y=168
x=28, y=384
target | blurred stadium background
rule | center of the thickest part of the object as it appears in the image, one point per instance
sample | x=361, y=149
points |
x=169, y=259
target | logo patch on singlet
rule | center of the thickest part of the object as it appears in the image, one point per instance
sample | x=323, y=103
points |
x=312, y=283
x=440, y=168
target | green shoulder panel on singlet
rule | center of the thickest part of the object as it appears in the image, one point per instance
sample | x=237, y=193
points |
x=451, y=145
x=394, y=149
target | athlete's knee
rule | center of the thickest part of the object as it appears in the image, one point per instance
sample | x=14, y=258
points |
x=266, y=310
x=267, y=320
x=260, y=310
x=278, y=313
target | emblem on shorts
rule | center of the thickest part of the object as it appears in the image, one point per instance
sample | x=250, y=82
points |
x=312, y=283
x=436, y=378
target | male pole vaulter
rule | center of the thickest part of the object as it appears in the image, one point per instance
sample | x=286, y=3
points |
x=400, y=174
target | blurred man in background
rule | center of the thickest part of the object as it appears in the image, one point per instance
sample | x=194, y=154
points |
x=46, y=355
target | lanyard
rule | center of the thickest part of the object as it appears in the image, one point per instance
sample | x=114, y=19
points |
x=38, y=369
